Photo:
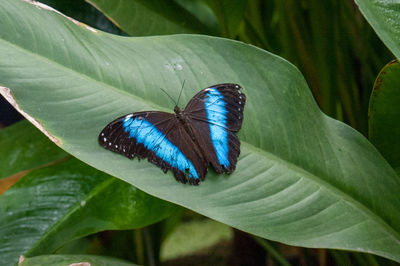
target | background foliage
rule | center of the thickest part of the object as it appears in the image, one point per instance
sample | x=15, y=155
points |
x=337, y=52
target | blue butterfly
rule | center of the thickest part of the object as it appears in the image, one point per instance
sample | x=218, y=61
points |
x=187, y=141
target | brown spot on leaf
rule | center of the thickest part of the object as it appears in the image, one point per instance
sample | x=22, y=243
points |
x=7, y=182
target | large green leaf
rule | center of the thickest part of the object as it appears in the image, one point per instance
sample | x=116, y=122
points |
x=384, y=113
x=384, y=17
x=68, y=260
x=302, y=178
x=54, y=205
x=23, y=147
x=150, y=17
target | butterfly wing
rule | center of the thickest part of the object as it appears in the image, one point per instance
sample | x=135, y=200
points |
x=215, y=114
x=160, y=137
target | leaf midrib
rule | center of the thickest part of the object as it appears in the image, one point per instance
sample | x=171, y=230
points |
x=330, y=187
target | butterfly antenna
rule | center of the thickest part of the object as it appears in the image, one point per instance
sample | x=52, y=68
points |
x=183, y=84
x=168, y=96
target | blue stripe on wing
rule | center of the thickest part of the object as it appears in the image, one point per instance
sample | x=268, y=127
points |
x=216, y=116
x=154, y=140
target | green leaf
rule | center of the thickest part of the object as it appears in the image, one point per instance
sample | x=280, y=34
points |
x=54, y=205
x=202, y=11
x=302, y=177
x=230, y=14
x=384, y=113
x=149, y=17
x=384, y=17
x=190, y=237
x=67, y=260
x=24, y=147
x=84, y=12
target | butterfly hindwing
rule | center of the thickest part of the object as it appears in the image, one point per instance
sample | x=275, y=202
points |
x=215, y=113
x=161, y=138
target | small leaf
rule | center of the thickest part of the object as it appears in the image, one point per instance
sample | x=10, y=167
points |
x=190, y=237
x=384, y=113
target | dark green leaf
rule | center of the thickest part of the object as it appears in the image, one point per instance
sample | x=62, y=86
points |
x=24, y=147
x=230, y=14
x=54, y=205
x=202, y=11
x=384, y=113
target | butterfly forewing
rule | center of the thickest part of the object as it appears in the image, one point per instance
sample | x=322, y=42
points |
x=160, y=137
x=215, y=113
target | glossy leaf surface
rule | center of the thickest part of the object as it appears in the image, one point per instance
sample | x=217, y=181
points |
x=302, y=178
x=54, y=205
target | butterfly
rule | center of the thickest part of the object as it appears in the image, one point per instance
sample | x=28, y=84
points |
x=189, y=140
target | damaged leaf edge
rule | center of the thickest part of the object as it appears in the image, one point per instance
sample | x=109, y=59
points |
x=6, y=92
x=46, y=7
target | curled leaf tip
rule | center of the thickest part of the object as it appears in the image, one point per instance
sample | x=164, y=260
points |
x=6, y=92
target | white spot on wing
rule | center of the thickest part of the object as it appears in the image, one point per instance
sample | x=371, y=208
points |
x=127, y=117
x=105, y=139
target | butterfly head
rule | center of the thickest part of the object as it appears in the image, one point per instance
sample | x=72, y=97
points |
x=177, y=110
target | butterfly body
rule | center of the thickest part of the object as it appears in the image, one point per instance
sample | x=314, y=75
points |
x=187, y=141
